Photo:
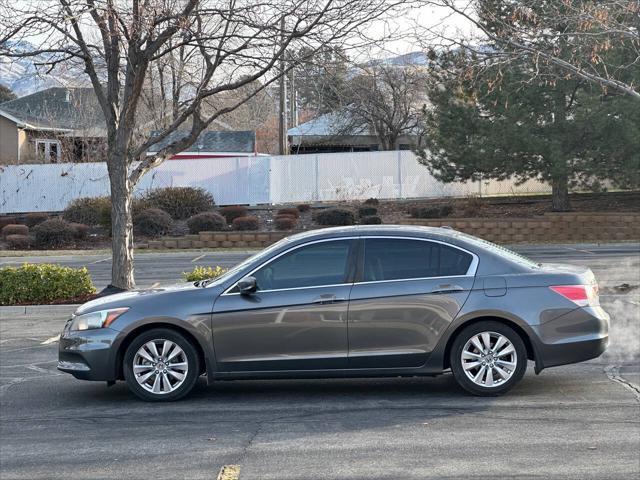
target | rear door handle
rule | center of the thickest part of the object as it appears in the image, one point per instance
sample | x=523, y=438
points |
x=324, y=299
x=447, y=288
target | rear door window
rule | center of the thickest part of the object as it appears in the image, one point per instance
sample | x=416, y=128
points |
x=396, y=259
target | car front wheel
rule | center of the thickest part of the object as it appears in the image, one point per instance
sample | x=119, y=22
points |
x=488, y=358
x=161, y=365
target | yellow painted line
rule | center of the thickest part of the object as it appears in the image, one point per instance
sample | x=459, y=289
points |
x=50, y=340
x=229, y=472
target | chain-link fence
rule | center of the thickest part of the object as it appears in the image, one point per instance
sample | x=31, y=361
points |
x=252, y=180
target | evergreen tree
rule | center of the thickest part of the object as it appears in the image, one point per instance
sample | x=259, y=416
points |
x=6, y=94
x=489, y=120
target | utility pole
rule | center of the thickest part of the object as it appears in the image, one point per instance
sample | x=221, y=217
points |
x=293, y=100
x=282, y=127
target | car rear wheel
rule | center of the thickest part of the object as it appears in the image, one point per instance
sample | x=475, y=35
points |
x=161, y=365
x=488, y=358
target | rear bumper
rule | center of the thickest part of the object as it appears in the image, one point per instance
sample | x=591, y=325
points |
x=88, y=355
x=579, y=335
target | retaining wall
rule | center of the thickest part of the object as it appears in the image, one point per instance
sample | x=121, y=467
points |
x=547, y=228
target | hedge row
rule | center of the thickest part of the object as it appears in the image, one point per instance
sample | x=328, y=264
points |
x=43, y=283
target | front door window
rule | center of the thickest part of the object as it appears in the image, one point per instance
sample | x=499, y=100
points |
x=318, y=264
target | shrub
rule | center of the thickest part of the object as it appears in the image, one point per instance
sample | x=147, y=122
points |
x=285, y=223
x=246, y=223
x=472, y=206
x=179, y=202
x=232, y=212
x=203, y=273
x=35, y=218
x=206, y=221
x=371, y=220
x=285, y=215
x=80, y=230
x=54, y=233
x=18, y=241
x=371, y=201
x=43, y=283
x=303, y=207
x=88, y=210
x=289, y=211
x=367, y=211
x=153, y=222
x=335, y=217
x=431, y=212
x=7, y=220
x=14, y=229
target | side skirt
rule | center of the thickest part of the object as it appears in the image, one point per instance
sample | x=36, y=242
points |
x=346, y=373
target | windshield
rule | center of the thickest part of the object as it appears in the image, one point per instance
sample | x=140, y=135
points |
x=253, y=258
x=502, y=251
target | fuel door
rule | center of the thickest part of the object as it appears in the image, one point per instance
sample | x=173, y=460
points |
x=495, y=286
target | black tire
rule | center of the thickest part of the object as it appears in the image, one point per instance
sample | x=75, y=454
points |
x=456, y=361
x=192, y=359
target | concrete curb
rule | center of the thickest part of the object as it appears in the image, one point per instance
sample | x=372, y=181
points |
x=20, y=310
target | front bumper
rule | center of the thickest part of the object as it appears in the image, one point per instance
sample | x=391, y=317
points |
x=88, y=354
x=579, y=335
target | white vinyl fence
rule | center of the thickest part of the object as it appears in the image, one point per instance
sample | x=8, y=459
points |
x=251, y=180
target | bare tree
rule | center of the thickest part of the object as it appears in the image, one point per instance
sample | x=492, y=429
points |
x=386, y=100
x=595, y=41
x=227, y=44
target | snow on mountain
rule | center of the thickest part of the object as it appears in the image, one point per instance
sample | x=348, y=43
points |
x=24, y=77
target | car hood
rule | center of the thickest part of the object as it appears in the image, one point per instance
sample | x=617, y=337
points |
x=133, y=297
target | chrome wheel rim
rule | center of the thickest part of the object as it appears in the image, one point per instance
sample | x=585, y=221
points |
x=489, y=359
x=160, y=366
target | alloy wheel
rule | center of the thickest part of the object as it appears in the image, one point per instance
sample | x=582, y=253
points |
x=489, y=359
x=160, y=366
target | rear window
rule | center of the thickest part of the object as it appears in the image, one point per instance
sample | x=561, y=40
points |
x=502, y=251
x=396, y=259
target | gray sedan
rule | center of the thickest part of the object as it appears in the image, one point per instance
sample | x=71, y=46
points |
x=346, y=302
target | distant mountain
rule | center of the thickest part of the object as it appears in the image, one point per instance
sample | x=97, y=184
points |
x=23, y=77
x=404, y=60
x=413, y=58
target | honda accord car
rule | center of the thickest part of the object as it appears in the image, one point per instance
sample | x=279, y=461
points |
x=346, y=302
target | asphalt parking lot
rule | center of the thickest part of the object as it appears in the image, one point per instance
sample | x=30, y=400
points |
x=579, y=421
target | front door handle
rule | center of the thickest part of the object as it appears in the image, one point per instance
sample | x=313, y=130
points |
x=447, y=288
x=328, y=298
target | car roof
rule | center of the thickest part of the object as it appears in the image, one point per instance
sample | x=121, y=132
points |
x=372, y=230
x=493, y=258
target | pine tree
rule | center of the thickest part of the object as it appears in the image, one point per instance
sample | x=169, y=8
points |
x=524, y=121
x=6, y=94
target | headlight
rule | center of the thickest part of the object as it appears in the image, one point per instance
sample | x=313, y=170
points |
x=99, y=319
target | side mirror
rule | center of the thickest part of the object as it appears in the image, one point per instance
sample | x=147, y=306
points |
x=247, y=285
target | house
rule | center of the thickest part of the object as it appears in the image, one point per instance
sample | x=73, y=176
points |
x=67, y=125
x=51, y=126
x=334, y=132
x=211, y=144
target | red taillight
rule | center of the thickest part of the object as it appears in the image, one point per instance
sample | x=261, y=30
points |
x=582, y=295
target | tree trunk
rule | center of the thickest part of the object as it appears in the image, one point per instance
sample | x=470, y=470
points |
x=560, y=193
x=121, y=223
